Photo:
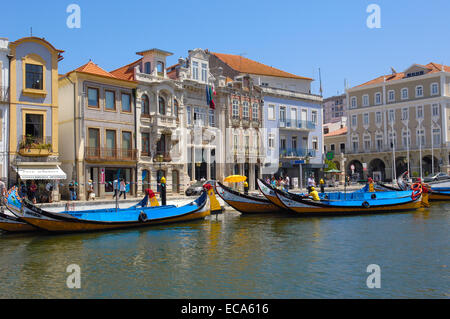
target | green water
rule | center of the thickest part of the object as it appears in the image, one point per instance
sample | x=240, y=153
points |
x=237, y=256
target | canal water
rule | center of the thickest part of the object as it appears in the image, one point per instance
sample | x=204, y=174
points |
x=236, y=256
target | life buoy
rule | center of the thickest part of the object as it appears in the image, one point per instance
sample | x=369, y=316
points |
x=365, y=204
x=416, y=186
x=142, y=217
x=416, y=194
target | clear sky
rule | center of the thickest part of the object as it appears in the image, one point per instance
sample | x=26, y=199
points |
x=297, y=36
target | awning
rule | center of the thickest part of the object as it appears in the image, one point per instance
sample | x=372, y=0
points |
x=41, y=173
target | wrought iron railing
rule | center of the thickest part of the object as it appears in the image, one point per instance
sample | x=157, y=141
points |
x=105, y=153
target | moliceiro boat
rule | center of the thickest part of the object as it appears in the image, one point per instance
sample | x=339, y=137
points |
x=246, y=204
x=106, y=219
x=351, y=203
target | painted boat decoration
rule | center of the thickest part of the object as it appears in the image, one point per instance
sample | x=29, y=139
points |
x=269, y=193
x=246, y=204
x=84, y=221
x=9, y=221
x=350, y=203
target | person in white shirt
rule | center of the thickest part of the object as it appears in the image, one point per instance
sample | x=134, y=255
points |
x=311, y=183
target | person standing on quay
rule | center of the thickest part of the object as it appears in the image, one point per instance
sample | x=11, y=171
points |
x=322, y=185
x=123, y=189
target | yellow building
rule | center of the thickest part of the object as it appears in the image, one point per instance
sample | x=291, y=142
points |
x=33, y=147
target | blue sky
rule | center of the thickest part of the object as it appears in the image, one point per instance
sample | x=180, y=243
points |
x=296, y=36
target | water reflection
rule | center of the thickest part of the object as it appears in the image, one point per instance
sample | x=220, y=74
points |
x=238, y=256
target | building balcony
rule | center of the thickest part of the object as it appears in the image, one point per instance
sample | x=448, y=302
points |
x=297, y=125
x=162, y=157
x=299, y=152
x=35, y=146
x=4, y=94
x=110, y=154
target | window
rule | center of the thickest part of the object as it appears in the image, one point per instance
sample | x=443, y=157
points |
x=235, y=142
x=271, y=112
x=419, y=91
x=235, y=109
x=283, y=143
x=188, y=115
x=314, y=117
x=342, y=147
x=34, y=76
x=34, y=126
x=212, y=118
x=378, y=118
x=434, y=89
x=391, y=116
x=245, y=110
x=145, y=144
x=145, y=105
x=162, y=105
x=94, y=138
x=294, y=142
x=147, y=67
x=204, y=72
x=176, y=109
x=420, y=137
x=365, y=100
x=126, y=102
x=436, y=137
x=332, y=147
x=406, y=138
x=355, y=143
x=282, y=116
x=353, y=104
x=405, y=114
x=392, y=139
x=367, y=142
x=255, y=115
x=199, y=115
x=420, y=112
x=404, y=94
x=160, y=68
x=377, y=98
x=391, y=96
x=93, y=97
x=354, y=121
x=435, y=109
x=315, y=143
x=366, y=119
x=271, y=141
x=379, y=142
x=110, y=139
x=195, y=70
x=110, y=100
x=126, y=140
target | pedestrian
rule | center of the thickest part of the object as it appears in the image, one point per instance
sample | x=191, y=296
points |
x=23, y=191
x=311, y=183
x=123, y=189
x=72, y=190
x=287, y=183
x=322, y=185
x=90, y=190
x=32, y=192
x=116, y=186
x=49, y=189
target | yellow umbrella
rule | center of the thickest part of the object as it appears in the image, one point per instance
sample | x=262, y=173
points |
x=235, y=179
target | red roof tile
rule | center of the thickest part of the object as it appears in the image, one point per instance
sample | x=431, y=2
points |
x=126, y=72
x=341, y=131
x=244, y=65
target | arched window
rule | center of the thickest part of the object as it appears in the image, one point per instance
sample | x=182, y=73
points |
x=145, y=105
x=162, y=106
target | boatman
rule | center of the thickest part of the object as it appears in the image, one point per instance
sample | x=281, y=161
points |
x=426, y=189
x=371, y=186
x=314, y=194
x=245, y=188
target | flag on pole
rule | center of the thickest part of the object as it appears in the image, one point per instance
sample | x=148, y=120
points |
x=211, y=103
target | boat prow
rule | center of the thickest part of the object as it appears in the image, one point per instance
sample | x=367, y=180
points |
x=246, y=204
x=269, y=192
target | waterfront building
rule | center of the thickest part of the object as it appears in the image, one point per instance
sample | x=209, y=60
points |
x=292, y=117
x=4, y=109
x=159, y=119
x=399, y=122
x=203, y=122
x=334, y=108
x=34, y=109
x=97, y=129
